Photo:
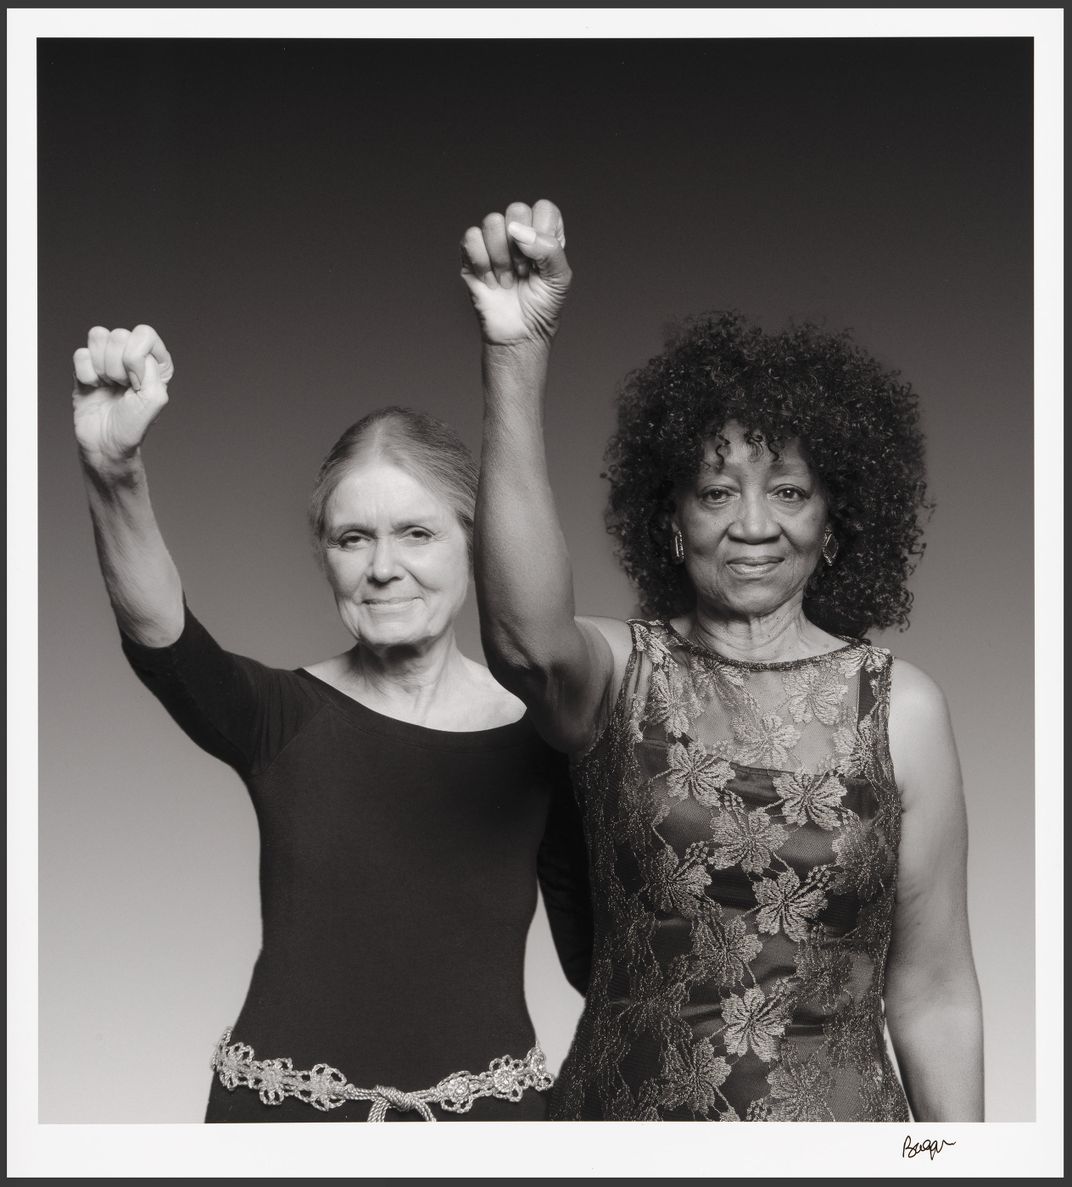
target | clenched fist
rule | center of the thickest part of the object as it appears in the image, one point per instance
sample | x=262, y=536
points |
x=516, y=270
x=121, y=379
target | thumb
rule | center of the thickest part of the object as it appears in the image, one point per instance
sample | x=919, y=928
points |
x=543, y=250
x=153, y=388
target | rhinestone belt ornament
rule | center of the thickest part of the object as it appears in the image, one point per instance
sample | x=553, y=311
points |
x=326, y=1088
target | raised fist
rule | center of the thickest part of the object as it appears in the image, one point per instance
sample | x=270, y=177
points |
x=121, y=379
x=516, y=270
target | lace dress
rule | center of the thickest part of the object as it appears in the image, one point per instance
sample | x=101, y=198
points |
x=742, y=823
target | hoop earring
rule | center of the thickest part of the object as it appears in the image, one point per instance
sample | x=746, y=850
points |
x=677, y=547
x=830, y=547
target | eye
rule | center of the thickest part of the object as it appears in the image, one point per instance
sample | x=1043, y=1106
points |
x=418, y=535
x=715, y=496
x=349, y=540
x=790, y=494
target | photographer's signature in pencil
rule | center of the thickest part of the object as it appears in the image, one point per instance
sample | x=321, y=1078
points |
x=929, y=1146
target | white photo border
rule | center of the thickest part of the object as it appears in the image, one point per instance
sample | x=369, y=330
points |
x=511, y=1149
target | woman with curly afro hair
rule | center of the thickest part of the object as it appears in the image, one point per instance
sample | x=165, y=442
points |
x=773, y=806
x=862, y=429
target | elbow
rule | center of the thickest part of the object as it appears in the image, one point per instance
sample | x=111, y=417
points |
x=515, y=656
x=517, y=668
x=954, y=999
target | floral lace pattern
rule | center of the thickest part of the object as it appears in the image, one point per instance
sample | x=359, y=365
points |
x=743, y=824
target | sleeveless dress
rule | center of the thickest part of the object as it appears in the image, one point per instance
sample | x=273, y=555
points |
x=742, y=823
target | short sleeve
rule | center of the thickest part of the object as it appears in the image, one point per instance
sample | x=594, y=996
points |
x=235, y=708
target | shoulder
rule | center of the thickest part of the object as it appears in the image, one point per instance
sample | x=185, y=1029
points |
x=922, y=746
x=915, y=696
x=616, y=633
x=621, y=640
x=325, y=673
x=313, y=686
x=328, y=670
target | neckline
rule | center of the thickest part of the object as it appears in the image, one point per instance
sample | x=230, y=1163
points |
x=759, y=666
x=509, y=734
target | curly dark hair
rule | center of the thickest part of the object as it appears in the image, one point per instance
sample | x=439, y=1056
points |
x=858, y=422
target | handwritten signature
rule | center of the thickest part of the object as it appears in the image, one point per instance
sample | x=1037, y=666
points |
x=930, y=1146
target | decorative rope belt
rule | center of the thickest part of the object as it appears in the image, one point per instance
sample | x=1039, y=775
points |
x=325, y=1087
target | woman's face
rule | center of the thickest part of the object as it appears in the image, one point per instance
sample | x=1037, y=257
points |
x=396, y=557
x=752, y=523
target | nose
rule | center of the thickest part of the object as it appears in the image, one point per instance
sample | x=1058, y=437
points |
x=755, y=521
x=383, y=566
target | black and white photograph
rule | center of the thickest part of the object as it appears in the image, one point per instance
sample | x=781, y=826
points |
x=542, y=600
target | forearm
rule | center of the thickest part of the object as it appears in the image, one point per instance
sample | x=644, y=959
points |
x=142, y=582
x=524, y=579
x=939, y=1050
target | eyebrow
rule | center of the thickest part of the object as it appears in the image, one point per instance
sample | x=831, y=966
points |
x=358, y=525
x=779, y=463
x=782, y=463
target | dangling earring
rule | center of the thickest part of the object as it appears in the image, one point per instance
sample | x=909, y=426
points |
x=677, y=547
x=830, y=547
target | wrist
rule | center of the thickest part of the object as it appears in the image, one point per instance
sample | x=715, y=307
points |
x=515, y=375
x=528, y=357
x=108, y=472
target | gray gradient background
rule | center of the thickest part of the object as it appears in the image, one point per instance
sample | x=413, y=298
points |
x=287, y=215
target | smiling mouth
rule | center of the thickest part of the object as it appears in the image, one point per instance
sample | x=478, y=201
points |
x=754, y=567
x=387, y=602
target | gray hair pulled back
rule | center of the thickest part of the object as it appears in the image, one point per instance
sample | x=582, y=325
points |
x=426, y=448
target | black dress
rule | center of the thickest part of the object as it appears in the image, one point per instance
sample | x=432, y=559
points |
x=397, y=876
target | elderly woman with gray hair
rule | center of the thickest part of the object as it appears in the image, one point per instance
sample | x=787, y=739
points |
x=404, y=800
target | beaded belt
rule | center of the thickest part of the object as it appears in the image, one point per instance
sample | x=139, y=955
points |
x=325, y=1087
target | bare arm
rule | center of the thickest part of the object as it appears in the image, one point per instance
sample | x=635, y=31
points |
x=121, y=382
x=932, y=996
x=561, y=666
